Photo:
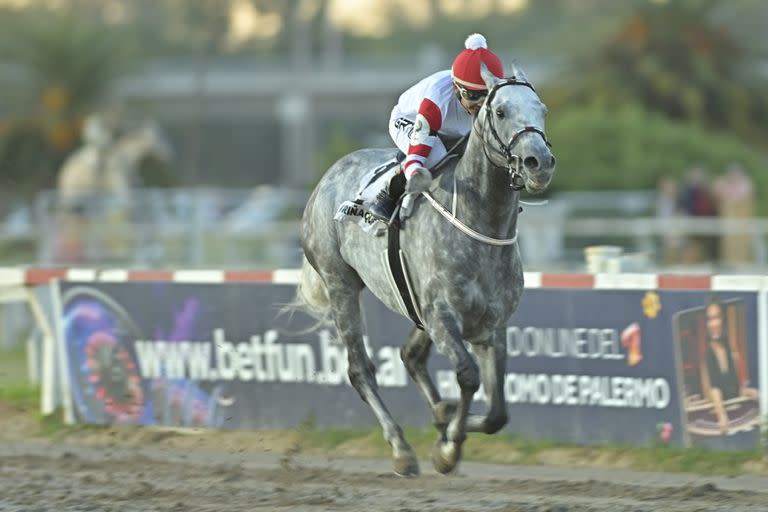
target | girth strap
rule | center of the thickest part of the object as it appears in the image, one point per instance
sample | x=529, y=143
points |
x=398, y=270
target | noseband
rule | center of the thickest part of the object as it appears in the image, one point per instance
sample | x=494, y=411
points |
x=514, y=162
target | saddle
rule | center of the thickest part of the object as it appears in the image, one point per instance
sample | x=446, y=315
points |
x=376, y=200
x=382, y=188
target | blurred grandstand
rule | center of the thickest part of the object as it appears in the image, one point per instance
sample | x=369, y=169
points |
x=259, y=98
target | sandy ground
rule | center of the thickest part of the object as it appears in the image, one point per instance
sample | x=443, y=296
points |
x=130, y=469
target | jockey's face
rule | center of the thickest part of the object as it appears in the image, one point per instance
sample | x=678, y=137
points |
x=470, y=99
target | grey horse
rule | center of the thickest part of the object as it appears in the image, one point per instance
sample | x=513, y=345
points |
x=467, y=281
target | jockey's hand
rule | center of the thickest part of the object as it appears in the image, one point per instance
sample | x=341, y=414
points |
x=419, y=181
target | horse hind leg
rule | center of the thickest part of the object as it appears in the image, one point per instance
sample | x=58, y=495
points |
x=414, y=354
x=345, y=308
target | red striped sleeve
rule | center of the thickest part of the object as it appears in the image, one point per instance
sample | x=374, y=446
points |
x=408, y=164
x=417, y=156
x=419, y=149
x=431, y=113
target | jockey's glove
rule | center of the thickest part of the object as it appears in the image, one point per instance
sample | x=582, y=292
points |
x=419, y=181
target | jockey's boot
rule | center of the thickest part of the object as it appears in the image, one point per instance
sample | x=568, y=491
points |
x=383, y=205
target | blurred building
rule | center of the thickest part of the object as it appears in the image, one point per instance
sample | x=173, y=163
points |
x=239, y=122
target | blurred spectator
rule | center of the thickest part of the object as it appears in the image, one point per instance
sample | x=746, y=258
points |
x=696, y=200
x=734, y=193
x=695, y=196
x=666, y=210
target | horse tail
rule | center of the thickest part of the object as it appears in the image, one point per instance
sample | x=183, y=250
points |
x=312, y=296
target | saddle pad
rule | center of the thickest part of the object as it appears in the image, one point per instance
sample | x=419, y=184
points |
x=351, y=211
x=356, y=210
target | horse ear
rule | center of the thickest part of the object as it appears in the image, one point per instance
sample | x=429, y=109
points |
x=489, y=78
x=518, y=72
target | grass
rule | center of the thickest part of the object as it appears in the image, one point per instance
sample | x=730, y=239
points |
x=514, y=449
x=24, y=396
x=15, y=388
x=13, y=367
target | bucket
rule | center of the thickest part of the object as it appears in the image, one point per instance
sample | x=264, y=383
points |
x=602, y=258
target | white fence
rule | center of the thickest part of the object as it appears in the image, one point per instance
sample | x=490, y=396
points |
x=225, y=228
x=172, y=227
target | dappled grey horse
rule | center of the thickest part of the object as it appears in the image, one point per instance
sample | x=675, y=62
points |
x=464, y=265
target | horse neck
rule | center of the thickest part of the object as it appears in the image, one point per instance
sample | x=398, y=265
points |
x=485, y=198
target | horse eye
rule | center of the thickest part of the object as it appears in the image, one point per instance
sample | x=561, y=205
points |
x=499, y=112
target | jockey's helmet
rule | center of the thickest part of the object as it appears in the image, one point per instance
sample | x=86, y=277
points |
x=466, y=67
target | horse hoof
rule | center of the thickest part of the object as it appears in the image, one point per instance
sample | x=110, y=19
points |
x=445, y=456
x=443, y=413
x=406, y=465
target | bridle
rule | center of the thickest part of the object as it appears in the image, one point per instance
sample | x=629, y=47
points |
x=513, y=161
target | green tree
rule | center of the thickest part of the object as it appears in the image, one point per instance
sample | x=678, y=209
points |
x=64, y=66
x=631, y=148
x=678, y=58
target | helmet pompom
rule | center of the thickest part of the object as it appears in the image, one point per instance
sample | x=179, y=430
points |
x=465, y=70
x=475, y=41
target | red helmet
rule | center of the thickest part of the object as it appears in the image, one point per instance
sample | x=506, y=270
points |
x=466, y=68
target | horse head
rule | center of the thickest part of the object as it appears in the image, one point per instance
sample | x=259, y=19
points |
x=511, y=123
x=150, y=141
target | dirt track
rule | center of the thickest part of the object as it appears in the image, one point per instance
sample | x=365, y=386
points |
x=39, y=475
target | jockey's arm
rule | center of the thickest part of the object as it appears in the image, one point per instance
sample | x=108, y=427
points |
x=428, y=121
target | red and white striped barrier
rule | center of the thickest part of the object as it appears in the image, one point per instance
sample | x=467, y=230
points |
x=38, y=275
x=16, y=284
x=31, y=276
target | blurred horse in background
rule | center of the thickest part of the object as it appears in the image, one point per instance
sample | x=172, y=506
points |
x=95, y=184
x=107, y=164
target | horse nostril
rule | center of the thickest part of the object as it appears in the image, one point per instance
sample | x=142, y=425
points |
x=552, y=162
x=531, y=162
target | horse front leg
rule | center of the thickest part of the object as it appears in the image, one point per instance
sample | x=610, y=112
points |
x=414, y=355
x=492, y=361
x=446, y=333
x=362, y=375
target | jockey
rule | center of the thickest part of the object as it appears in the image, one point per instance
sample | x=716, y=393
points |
x=444, y=103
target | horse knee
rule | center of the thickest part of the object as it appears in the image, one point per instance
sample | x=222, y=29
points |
x=468, y=377
x=411, y=357
x=406, y=354
x=415, y=350
x=357, y=379
x=360, y=374
x=495, y=421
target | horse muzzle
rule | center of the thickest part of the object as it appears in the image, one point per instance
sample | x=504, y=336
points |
x=538, y=171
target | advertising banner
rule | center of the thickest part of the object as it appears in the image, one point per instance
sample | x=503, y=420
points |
x=631, y=366
x=584, y=365
x=202, y=355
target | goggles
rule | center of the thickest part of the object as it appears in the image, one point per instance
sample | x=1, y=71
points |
x=472, y=95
